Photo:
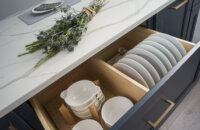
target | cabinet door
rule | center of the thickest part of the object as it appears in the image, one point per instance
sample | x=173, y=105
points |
x=193, y=20
x=26, y=113
x=12, y=121
x=22, y=118
x=160, y=100
x=172, y=21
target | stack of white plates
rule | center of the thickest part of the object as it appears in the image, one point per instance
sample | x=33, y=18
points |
x=81, y=95
x=151, y=59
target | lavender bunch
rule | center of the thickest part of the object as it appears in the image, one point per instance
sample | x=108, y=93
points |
x=65, y=34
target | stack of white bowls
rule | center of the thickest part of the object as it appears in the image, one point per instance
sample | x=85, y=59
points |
x=81, y=95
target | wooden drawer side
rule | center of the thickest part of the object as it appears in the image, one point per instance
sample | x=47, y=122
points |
x=42, y=115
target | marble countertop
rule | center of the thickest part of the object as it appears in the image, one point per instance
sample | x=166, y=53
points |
x=19, y=81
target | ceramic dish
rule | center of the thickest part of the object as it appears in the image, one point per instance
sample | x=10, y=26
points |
x=168, y=45
x=174, y=41
x=47, y=4
x=163, y=49
x=86, y=115
x=114, y=109
x=146, y=65
x=80, y=94
x=140, y=69
x=157, y=53
x=86, y=112
x=88, y=124
x=84, y=108
x=151, y=58
x=131, y=73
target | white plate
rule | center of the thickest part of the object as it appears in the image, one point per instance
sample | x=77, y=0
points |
x=157, y=53
x=151, y=58
x=146, y=64
x=140, y=69
x=168, y=45
x=178, y=45
x=163, y=49
x=88, y=124
x=47, y=2
x=130, y=72
x=114, y=109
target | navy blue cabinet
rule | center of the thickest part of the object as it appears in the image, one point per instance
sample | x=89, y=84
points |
x=178, y=19
x=193, y=19
x=164, y=96
x=22, y=118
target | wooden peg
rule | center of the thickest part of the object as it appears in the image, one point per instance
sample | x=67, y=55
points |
x=66, y=114
x=96, y=82
x=94, y=112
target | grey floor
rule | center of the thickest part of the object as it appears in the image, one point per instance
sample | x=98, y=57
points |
x=196, y=37
x=187, y=115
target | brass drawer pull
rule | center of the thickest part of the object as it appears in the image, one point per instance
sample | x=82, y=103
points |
x=180, y=5
x=154, y=125
x=10, y=126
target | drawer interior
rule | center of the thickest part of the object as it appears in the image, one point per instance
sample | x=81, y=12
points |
x=112, y=81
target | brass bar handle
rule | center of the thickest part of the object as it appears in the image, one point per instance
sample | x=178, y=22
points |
x=154, y=125
x=10, y=126
x=180, y=5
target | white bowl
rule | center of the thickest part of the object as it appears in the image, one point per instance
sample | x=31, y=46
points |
x=88, y=124
x=86, y=113
x=94, y=100
x=80, y=93
x=114, y=109
x=90, y=102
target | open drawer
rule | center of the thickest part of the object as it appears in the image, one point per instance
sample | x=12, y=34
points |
x=151, y=106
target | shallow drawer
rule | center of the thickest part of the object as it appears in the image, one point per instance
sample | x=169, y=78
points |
x=151, y=106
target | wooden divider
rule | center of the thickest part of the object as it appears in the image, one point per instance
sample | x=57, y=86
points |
x=117, y=81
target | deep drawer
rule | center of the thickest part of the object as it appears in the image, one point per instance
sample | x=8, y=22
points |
x=150, y=104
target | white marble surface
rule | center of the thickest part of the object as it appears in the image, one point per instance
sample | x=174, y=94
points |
x=19, y=81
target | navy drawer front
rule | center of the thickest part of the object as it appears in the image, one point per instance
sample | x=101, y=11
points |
x=171, y=86
x=196, y=2
x=22, y=118
x=12, y=120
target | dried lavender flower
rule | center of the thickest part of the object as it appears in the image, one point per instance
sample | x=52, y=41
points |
x=65, y=34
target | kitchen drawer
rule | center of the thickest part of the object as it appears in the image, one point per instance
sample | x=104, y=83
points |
x=151, y=106
x=196, y=2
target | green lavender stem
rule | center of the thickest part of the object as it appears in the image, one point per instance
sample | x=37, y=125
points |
x=65, y=34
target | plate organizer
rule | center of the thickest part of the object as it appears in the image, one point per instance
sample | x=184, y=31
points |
x=52, y=110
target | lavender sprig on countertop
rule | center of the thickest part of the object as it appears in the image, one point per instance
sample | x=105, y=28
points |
x=65, y=34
